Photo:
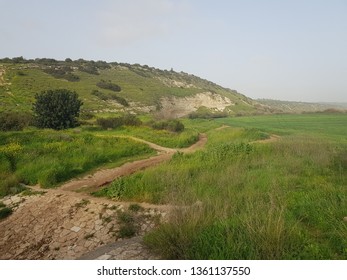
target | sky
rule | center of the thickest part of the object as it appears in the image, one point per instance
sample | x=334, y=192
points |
x=292, y=50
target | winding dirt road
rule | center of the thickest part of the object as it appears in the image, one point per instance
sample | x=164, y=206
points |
x=102, y=177
x=67, y=223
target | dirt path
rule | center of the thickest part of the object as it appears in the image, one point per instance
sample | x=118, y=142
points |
x=272, y=138
x=2, y=72
x=64, y=224
x=102, y=177
x=2, y=79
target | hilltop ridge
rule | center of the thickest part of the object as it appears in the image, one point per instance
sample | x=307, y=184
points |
x=119, y=87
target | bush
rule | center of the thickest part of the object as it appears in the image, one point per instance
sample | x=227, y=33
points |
x=129, y=120
x=11, y=121
x=57, y=109
x=90, y=69
x=127, y=227
x=108, y=96
x=109, y=85
x=62, y=73
x=5, y=212
x=172, y=125
x=9, y=185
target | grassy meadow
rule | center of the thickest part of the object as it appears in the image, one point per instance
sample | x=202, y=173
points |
x=161, y=137
x=240, y=199
x=51, y=157
x=237, y=198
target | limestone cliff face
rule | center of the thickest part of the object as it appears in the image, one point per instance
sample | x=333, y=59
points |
x=176, y=107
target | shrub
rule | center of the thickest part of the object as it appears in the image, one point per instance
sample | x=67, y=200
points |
x=135, y=207
x=62, y=73
x=129, y=120
x=90, y=69
x=11, y=121
x=9, y=185
x=109, y=85
x=171, y=125
x=5, y=212
x=108, y=96
x=57, y=109
x=127, y=227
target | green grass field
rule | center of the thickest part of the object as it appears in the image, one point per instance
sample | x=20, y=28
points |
x=280, y=200
x=51, y=157
x=238, y=199
x=328, y=126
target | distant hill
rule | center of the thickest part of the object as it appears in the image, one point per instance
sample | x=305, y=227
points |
x=119, y=87
x=301, y=107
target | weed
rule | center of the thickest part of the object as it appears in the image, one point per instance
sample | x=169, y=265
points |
x=125, y=217
x=29, y=192
x=5, y=212
x=83, y=203
x=127, y=225
x=9, y=184
x=127, y=231
x=135, y=207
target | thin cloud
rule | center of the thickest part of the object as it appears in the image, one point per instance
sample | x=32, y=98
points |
x=134, y=21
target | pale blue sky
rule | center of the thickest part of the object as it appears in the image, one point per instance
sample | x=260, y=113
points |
x=289, y=50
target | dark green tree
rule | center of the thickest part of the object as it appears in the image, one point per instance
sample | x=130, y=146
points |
x=57, y=109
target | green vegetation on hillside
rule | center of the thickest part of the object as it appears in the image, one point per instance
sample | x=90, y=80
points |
x=140, y=86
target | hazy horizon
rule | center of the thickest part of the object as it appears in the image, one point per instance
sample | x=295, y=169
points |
x=282, y=50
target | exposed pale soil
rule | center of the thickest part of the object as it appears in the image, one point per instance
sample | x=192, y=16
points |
x=175, y=107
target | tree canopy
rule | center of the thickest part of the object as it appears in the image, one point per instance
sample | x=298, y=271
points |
x=57, y=109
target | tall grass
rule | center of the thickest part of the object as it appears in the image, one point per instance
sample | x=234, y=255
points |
x=284, y=200
x=49, y=158
x=161, y=137
x=280, y=202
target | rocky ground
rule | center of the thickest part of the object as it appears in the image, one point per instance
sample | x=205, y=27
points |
x=58, y=225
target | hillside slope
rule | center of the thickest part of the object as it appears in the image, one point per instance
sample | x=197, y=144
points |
x=117, y=87
x=301, y=107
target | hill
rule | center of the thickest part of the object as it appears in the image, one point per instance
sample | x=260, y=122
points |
x=301, y=107
x=118, y=87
